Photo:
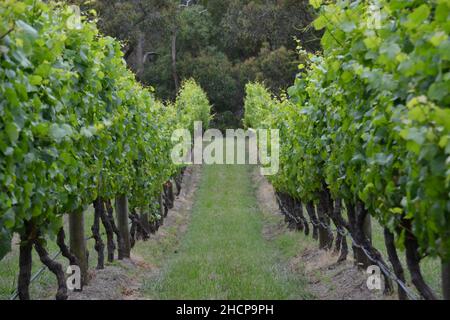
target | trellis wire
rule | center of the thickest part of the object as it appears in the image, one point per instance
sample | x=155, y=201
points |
x=386, y=271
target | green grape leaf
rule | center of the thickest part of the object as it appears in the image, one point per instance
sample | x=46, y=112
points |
x=418, y=16
x=28, y=30
x=12, y=130
x=315, y=3
x=59, y=132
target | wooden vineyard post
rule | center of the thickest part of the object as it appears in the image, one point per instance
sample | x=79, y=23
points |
x=367, y=232
x=25, y=263
x=78, y=243
x=122, y=224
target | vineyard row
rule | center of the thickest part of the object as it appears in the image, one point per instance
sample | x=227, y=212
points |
x=365, y=132
x=77, y=129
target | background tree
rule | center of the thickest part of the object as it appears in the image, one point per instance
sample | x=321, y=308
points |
x=212, y=41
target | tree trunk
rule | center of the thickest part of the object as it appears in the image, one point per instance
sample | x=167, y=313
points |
x=325, y=234
x=395, y=261
x=108, y=229
x=446, y=280
x=78, y=243
x=413, y=262
x=162, y=210
x=133, y=230
x=356, y=227
x=140, y=56
x=367, y=228
x=357, y=252
x=55, y=268
x=25, y=263
x=139, y=231
x=178, y=179
x=164, y=204
x=341, y=225
x=174, y=61
x=99, y=245
x=363, y=234
x=169, y=194
x=65, y=251
x=110, y=210
x=122, y=223
x=311, y=210
x=293, y=215
x=145, y=224
x=286, y=205
x=303, y=224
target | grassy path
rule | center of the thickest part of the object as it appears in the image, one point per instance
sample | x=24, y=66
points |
x=224, y=254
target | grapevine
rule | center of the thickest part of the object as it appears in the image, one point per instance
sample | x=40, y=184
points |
x=76, y=128
x=367, y=123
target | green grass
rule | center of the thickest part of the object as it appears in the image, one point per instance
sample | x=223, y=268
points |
x=157, y=251
x=223, y=254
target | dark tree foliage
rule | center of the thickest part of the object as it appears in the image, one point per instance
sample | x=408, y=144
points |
x=221, y=43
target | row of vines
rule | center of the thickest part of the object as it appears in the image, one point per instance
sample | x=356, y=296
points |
x=77, y=130
x=365, y=132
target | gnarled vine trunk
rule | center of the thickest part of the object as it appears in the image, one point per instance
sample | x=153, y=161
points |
x=413, y=262
x=303, y=224
x=168, y=194
x=178, y=179
x=55, y=268
x=110, y=209
x=311, y=210
x=162, y=210
x=357, y=252
x=395, y=261
x=341, y=225
x=65, y=251
x=99, y=245
x=363, y=233
x=110, y=246
x=325, y=234
x=143, y=217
